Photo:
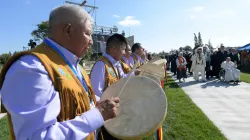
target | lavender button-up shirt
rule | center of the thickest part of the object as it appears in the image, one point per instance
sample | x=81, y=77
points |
x=30, y=97
x=129, y=61
x=139, y=59
x=98, y=74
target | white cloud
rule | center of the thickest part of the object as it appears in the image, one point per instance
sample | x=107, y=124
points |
x=192, y=17
x=116, y=16
x=129, y=21
x=196, y=9
x=227, y=12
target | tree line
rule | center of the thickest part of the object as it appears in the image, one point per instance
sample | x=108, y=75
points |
x=41, y=32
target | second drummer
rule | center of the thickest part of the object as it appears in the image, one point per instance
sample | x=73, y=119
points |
x=109, y=69
x=137, y=52
x=127, y=58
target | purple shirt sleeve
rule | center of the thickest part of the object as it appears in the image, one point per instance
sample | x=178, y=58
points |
x=97, y=78
x=29, y=96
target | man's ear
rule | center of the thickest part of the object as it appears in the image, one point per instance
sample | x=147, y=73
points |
x=115, y=50
x=67, y=30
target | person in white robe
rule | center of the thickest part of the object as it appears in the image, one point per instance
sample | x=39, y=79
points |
x=232, y=74
x=198, y=64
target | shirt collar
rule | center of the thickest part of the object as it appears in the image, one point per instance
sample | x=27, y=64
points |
x=73, y=59
x=125, y=58
x=139, y=58
x=111, y=59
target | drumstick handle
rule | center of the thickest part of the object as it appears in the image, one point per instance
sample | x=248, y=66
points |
x=128, y=77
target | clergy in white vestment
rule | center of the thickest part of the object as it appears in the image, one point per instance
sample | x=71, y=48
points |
x=232, y=74
x=198, y=64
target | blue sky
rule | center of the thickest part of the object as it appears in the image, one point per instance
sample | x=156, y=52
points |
x=157, y=24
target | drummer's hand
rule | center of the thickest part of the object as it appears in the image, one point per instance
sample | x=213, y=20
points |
x=137, y=72
x=108, y=108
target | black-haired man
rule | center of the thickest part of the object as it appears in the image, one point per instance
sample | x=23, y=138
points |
x=137, y=52
x=108, y=69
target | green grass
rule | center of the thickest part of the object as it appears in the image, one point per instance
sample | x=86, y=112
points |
x=4, y=129
x=185, y=121
x=245, y=77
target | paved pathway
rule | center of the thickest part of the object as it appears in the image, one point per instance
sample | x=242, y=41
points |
x=2, y=115
x=227, y=105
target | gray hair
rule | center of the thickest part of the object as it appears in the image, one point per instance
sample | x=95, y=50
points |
x=68, y=13
x=207, y=48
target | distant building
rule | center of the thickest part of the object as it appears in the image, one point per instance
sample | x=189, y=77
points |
x=130, y=40
x=97, y=42
x=100, y=37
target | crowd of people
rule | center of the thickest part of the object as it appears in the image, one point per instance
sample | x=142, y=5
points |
x=208, y=63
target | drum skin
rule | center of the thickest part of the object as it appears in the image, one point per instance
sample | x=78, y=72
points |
x=157, y=80
x=143, y=108
x=153, y=69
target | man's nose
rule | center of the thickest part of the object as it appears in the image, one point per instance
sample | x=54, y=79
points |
x=90, y=42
